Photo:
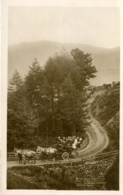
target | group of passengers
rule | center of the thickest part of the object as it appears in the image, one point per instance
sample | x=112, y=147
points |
x=70, y=141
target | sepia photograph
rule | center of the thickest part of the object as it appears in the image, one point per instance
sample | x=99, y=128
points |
x=63, y=98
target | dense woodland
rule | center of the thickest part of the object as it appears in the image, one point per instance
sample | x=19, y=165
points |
x=49, y=101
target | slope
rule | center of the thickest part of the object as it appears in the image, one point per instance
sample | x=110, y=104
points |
x=105, y=109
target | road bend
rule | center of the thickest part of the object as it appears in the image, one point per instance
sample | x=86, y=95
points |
x=98, y=140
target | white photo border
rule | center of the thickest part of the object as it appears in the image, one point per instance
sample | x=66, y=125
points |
x=4, y=81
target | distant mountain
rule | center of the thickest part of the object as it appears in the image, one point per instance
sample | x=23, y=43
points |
x=107, y=63
x=107, y=59
x=21, y=56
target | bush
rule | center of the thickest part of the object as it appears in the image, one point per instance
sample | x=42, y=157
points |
x=112, y=177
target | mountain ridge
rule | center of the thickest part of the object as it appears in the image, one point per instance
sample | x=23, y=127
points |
x=21, y=56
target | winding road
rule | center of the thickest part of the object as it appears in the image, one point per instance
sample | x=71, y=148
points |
x=98, y=139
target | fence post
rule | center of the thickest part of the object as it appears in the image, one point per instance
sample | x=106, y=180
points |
x=82, y=161
x=101, y=156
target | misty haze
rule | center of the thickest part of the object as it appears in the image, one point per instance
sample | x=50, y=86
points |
x=63, y=101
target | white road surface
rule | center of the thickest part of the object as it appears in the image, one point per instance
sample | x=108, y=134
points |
x=97, y=134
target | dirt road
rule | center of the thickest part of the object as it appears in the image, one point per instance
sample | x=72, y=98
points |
x=97, y=134
x=98, y=139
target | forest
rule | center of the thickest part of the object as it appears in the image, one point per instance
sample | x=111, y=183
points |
x=49, y=101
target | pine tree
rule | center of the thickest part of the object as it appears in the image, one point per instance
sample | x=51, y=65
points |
x=15, y=91
x=84, y=62
x=54, y=78
x=74, y=115
x=34, y=83
x=16, y=116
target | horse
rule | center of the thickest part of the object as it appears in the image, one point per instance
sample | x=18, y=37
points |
x=26, y=153
x=20, y=158
x=46, y=151
x=20, y=155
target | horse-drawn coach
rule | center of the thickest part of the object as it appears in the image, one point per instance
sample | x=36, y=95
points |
x=63, y=150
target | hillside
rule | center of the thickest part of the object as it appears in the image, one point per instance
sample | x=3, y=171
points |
x=107, y=63
x=107, y=59
x=78, y=176
x=105, y=109
x=20, y=57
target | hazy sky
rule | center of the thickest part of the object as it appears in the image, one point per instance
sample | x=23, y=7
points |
x=93, y=26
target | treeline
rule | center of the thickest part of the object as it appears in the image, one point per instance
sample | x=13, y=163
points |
x=49, y=101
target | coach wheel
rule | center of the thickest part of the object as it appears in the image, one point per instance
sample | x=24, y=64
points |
x=24, y=162
x=75, y=154
x=65, y=155
x=81, y=146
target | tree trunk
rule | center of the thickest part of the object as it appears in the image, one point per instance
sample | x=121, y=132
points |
x=38, y=130
x=47, y=136
x=52, y=111
x=73, y=107
x=74, y=129
x=60, y=108
x=47, y=132
x=38, y=125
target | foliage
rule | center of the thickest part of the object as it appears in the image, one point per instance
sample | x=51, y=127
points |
x=112, y=177
x=84, y=62
x=73, y=113
x=50, y=100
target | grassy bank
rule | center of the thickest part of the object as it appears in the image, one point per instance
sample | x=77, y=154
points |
x=105, y=109
x=78, y=176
